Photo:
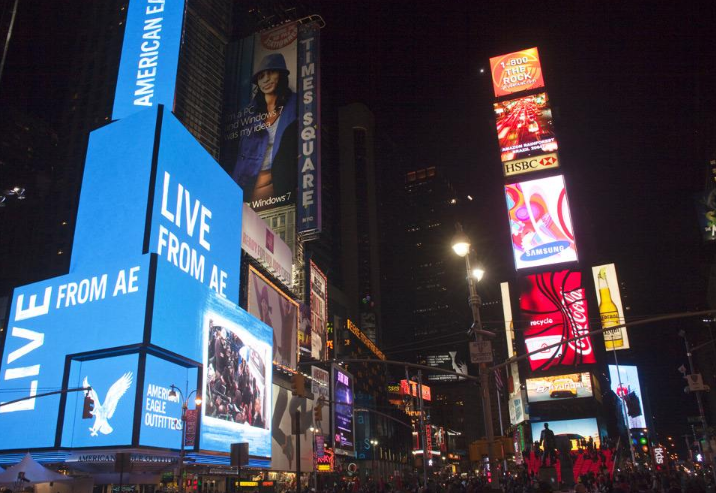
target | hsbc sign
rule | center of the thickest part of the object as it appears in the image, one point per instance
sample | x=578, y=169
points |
x=528, y=164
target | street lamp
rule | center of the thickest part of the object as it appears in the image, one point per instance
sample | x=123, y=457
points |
x=313, y=431
x=197, y=401
x=373, y=442
x=461, y=246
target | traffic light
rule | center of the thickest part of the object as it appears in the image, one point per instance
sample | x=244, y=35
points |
x=88, y=407
x=298, y=385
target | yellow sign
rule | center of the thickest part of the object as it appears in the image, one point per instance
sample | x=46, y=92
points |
x=364, y=339
x=248, y=483
x=324, y=467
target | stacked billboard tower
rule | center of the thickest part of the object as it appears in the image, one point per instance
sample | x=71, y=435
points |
x=560, y=385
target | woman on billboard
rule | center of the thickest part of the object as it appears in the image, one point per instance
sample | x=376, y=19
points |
x=265, y=166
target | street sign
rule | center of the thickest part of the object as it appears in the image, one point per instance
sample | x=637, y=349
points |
x=481, y=352
x=693, y=419
x=696, y=382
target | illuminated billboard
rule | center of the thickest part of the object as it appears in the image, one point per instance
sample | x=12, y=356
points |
x=516, y=72
x=540, y=223
x=238, y=368
x=524, y=127
x=150, y=56
x=343, y=426
x=574, y=430
x=455, y=361
x=413, y=390
x=554, y=388
x=529, y=164
x=271, y=144
x=554, y=310
x=278, y=311
x=611, y=311
x=319, y=312
x=625, y=382
x=153, y=278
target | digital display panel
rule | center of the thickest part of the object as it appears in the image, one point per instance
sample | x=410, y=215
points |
x=413, y=389
x=161, y=424
x=279, y=312
x=516, y=72
x=611, y=310
x=450, y=360
x=540, y=223
x=88, y=310
x=237, y=380
x=525, y=127
x=575, y=430
x=196, y=210
x=554, y=310
x=625, y=382
x=554, y=388
x=319, y=312
x=113, y=383
x=343, y=426
x=150, y=56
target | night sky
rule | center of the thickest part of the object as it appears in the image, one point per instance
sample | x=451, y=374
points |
x=632, y=87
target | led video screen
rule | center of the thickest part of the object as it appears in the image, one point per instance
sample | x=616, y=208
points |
x=524, y=127
x=161, y=424
x=279, y=312
x=554, y=388
x=237, y=381
x=113, y=383
x=554, y=310
x=516, y=72
x=343, y=426
x=623, y=383
x=540, y=223
x=577, y=431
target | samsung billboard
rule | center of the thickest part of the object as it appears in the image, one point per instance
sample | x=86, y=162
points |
x=540, y=223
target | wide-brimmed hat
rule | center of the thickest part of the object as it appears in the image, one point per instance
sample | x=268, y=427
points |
x=274, y=61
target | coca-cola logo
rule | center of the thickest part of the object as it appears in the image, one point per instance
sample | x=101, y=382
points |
x=574, y=302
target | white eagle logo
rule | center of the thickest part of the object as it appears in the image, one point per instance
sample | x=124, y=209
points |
x=103, y=412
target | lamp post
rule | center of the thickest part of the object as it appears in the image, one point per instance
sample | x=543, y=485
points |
x=461, y=246
x=373, y=442
x=173, y=393
x=313, y=431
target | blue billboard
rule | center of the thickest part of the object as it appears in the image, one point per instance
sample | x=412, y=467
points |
x=114, y=388
x=150, y=56
x=169, y=197
x=161, y=424
x=151, y=302
x=98, y=308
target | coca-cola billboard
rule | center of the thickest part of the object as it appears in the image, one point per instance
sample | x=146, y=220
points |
x=554, y=310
